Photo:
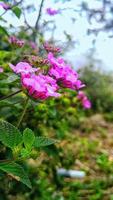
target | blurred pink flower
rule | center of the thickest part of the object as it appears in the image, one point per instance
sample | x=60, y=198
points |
x=4, y=5
x=23, y=67
x=64, y=73
x=85, y=101
x=51, y=11
x=15, y=41
x=50, y=48
x=33, y=45
x=40, y=86
x=1, y=69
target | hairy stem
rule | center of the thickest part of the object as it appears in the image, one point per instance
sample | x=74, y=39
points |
x=23, y=113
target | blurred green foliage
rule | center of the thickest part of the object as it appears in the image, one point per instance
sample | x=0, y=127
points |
x=99, y=88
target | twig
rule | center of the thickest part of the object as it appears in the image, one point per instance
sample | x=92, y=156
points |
x=10, y=95
x=39, y=14
x=25, y=20
x=37, y=21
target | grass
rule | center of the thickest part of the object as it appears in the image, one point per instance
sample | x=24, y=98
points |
x=91, y=151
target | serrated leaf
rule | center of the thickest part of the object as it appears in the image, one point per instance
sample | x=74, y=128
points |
x=17, y=11
x=43, y=141
x=28, y=138
x=25, y=153
x=9, y=134
x=16, y=171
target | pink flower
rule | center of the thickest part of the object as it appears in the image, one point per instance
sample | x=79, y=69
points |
x=4, y=5
x=40, y=86
x=33, y=45
x=1, y=69
x=15, y=41
x=23, y=67
x=85, y=101
x=64, y=73
x=50, y=48
x=51, y=11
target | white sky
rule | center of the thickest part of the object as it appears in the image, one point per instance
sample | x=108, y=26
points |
x=104, y=45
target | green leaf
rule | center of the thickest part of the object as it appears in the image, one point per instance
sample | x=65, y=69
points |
x=43, y=141
x=12, y=78
x=28, y=138
x=9, y=134
x=25, y=153
x=17, y=11
x=16, y=171
x=3, y=30
x=5, y=103
x=5, y=55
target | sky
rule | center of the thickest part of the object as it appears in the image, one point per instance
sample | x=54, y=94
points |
x=104, y=49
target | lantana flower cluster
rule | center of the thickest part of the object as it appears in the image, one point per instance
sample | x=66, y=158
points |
x=15, y=41
x=63, y=73
x=41, y=85
x=50, y=48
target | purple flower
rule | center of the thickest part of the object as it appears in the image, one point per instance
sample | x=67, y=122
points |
x=50, y=48
x=33, y=45
x=86, y=103
x=51, y=11
x=23, y=67
x=15, y=41
x=63, y=73
x=1, y=69
x=84, y=100
x=40, y=86
x=4, y=5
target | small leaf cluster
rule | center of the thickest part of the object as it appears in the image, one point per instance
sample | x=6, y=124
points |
x=21, y=146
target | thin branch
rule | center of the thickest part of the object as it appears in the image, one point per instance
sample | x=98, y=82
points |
x=25, y=20
x=10, y=95
x=39, y=14
x=17, y=3
x=3, y=13
x=37, y=21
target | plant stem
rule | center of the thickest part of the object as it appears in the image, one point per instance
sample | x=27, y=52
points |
x=23, y=113
x=37, y=21
x=12, y=160
x=6, y=161
x=10, y=95
x=39, y=15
